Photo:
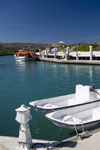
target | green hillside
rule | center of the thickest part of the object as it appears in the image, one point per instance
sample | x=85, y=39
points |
x=85, y=47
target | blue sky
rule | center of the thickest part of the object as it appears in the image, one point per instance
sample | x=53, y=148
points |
x=49, y=21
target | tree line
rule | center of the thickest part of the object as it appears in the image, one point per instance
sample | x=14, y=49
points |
x=14, y=47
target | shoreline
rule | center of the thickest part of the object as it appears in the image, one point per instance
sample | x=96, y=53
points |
x=6, y=54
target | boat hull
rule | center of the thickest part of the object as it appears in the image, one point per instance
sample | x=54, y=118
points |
x=79, y=128
x=83, y=113
x=67, y=101
x=45, y=111
x=24, y=58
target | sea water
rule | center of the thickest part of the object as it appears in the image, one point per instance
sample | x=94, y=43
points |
x=23, y=82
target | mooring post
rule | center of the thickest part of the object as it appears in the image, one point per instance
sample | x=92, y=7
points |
x=23, y=117
x=39, y=52
x=66, y=56
x=46, y=52
x=91, y=53
x=67, y=50
x=67, y=53
x=55, y=52
x=77, y=56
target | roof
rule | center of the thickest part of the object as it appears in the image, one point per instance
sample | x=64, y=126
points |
x=23, y=108
x=22, y=52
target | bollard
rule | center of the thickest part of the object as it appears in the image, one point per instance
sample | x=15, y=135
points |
x=67, y=50
x=55, y=52
x=91, y=53
x=66, y=56
x=39, y=52
x=23, y=117
x=77, y=56
x=46, y=52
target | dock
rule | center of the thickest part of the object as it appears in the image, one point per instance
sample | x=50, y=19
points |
x=90, y=141
x=64, y=61
x=70, y=57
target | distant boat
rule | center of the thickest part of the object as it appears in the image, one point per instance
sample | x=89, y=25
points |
x=24, y=55
x=83, y=95
x=79, y=118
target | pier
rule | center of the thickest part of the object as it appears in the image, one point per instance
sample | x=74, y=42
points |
x=66, y=57
x=83, y=141
x=90, y=141
x=64, y=61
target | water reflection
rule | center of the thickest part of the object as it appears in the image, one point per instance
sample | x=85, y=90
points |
x=73, y=74
x=23, y=65
x=78, y=74
x=91, y=74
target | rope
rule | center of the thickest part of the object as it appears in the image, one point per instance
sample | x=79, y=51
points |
x=76, y=130
x=93, y=90
x=83, y=131
x=82, y=128
x=97, y=92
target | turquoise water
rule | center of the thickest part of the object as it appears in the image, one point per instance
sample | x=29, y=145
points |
x=21, y=83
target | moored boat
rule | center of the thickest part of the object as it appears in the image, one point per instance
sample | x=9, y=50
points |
x=83, y=95
x=22, y=55
x=79, y=118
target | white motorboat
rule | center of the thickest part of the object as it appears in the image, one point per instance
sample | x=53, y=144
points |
x=79, y=118
x=83, y=95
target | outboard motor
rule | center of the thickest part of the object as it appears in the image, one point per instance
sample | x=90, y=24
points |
x=92, y=88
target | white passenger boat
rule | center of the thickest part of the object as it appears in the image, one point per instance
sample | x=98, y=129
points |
x=83, y=95
x=79, y=118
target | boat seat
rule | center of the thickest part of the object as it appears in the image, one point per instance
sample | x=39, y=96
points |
x=72, y=119
x=48, y=105
x=67, y=117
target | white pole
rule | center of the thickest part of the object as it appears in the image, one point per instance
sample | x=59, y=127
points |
x=39, y=52
x=77, y=56
x=55, y=52
x=42, y=54
x=66, y=56
x=67, y=50
x=91, y=53
x=46, y=53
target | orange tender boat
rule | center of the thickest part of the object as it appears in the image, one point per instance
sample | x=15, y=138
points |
x=24, y=55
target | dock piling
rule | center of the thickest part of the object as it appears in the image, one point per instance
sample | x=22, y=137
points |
x=66, y=56
x=55, y=52
x=39, y=52
x=77, y=56
x=67, y=50
x=46, y=53
x=91, y=53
